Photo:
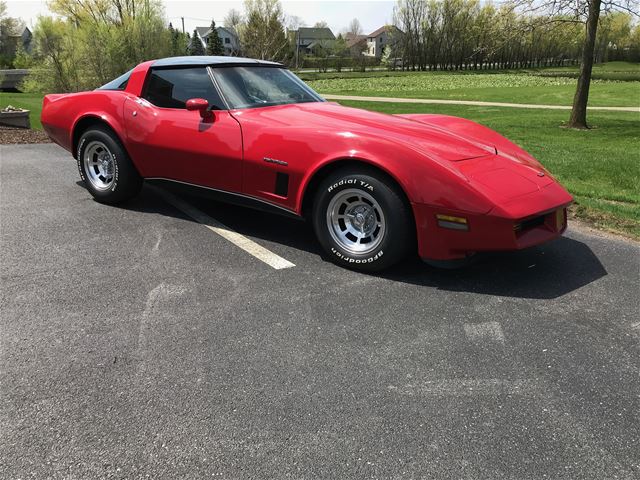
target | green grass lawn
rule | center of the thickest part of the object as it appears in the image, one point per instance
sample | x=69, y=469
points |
x=490, y=87
x=600, y=167
x=29, y=101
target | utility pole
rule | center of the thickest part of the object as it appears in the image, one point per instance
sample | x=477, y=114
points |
x=182, y=25
x=297, y=46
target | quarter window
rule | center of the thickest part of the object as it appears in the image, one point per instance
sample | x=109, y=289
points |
x=171, y=88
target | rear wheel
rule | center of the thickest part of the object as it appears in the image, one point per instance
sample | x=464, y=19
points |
x=361, y=220
x=105, y=167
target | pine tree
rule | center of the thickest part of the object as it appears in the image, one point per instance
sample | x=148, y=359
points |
x=195, y=46
x=214, y=43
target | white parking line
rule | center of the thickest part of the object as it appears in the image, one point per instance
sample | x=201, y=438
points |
x=237, y=239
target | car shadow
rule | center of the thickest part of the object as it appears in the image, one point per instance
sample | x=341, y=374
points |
x=545, y=272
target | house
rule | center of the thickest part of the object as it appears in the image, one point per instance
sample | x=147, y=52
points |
x=308, y=39
x=12, y=40
x=227, y=35
x=357, y=44
x=377, y=40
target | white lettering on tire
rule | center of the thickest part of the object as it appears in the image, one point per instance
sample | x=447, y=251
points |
x=351, y=181
x=341, y=256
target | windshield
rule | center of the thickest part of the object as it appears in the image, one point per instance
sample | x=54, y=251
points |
x=252, y=87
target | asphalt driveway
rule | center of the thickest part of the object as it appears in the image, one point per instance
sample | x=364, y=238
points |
x=137, y=343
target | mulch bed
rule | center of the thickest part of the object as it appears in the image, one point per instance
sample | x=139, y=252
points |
x=14, y=136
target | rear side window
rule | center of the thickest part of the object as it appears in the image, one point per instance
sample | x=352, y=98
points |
x=119, y=83
x=171, y=88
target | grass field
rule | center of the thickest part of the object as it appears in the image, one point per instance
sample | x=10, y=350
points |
x=606, y=71
x=615, y=84
x=490, y=87
x=600, y=167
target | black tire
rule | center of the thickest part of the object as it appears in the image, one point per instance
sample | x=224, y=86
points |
x=125, y=181
x=396, y=239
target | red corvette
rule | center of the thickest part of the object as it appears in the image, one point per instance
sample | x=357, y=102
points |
x=374, y=186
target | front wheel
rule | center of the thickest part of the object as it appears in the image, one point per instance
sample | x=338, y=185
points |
x=361, y=220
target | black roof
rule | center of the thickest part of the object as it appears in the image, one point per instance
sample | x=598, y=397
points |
x=210, y=60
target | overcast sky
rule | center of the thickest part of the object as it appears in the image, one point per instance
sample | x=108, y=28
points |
x=371, y=13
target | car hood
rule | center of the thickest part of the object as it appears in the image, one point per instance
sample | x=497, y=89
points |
x=432, y=140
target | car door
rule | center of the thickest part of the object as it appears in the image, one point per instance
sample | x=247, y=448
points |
x=168, y=141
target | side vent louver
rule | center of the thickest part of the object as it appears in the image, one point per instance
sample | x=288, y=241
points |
x=282, y=184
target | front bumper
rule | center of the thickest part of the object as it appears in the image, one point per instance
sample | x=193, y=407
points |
x=524, y=222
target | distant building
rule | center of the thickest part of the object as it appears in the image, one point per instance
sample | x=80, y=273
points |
x=12, y=40
x=307, y=39
x=357, y=44
x=377, y=40
x=228, y=36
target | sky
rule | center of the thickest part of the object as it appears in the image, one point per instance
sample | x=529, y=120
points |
x=371, y=13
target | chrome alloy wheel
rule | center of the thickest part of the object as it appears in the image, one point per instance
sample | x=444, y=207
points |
x=355, y=221
x=99, y=165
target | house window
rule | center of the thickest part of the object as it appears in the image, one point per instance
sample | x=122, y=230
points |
x=227, y=40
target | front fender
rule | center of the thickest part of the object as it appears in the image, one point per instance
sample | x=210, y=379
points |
x=423, y=179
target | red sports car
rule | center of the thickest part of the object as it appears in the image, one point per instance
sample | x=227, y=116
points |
x=374, y=186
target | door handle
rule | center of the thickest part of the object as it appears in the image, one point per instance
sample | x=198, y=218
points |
x=135, y=113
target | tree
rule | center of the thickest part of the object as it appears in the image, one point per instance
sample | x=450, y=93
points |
x=179, y=41
x=233, y=20
x=588, y=12
x=214, y=43
x=195, y=46
x=294, y=22
x=321, y=24
x=354, y=28
x=90, y=42
x=578, y=117
x=8, y=26
x=263, y=35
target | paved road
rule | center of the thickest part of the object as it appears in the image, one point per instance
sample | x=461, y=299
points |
x=136, y=343
x=470, y=102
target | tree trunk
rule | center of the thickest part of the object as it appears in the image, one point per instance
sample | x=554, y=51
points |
x=579, y=112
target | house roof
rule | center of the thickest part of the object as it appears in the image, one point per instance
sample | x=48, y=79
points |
x=20, y=31
x=205, y=31
x=204, y=60
x=381, y=30
x=353, y=40
x=316, y=33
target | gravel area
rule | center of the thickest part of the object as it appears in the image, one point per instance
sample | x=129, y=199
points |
x=13, y=136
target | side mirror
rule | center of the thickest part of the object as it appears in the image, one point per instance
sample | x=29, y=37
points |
x=200, y=105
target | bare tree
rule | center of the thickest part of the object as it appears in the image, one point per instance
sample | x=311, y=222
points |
x=355, y=28
x=293, y=22
x=321, y=24
x=233, y=19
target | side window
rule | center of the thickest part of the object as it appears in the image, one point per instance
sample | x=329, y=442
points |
x=119, y=83
x=171, y=88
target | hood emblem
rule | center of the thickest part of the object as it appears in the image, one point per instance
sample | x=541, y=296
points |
x=541, y=174
x=273, y=160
